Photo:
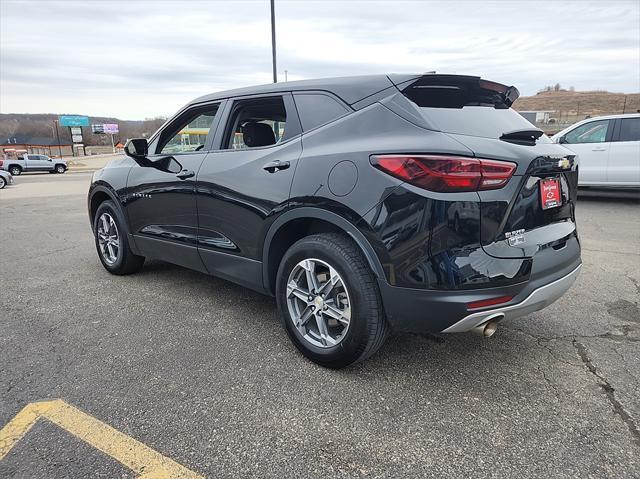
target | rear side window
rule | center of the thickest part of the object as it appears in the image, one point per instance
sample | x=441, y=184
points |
x=592, y=132
x=316, y=109
x=629, y=129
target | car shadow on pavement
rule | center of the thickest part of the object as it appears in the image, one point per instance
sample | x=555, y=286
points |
x=617, y=196
x=402, y=353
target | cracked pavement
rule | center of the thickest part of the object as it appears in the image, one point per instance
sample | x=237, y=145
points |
x=201, y=370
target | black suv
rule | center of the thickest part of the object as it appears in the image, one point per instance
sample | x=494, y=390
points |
x=364, y=204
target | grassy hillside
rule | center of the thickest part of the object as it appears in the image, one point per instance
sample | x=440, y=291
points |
x=41, y=125
x=580, y=103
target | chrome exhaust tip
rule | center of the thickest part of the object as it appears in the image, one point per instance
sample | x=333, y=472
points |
x=489, y=326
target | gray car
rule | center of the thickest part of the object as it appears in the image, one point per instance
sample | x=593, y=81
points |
x=6, y=178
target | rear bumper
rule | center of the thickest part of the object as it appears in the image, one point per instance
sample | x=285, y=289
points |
x=540, y=298
x=431, y=311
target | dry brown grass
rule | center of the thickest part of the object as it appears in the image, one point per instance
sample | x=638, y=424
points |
x=579, y=103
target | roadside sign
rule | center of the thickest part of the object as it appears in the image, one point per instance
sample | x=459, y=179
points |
x=77, y=138
x=76, y=130
x=97, y=129
x=73, y=120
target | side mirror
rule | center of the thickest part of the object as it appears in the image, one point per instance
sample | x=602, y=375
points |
x=562, y=140
x=137, y=148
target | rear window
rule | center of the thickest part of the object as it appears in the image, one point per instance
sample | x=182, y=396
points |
x=466, y=106
x=484, y=121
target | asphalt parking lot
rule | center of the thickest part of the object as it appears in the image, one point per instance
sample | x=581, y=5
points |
x=201, y=371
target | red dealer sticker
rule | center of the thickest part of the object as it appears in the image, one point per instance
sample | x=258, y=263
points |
x=550, y=193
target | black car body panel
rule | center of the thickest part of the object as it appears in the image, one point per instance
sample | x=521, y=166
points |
x=234, y=212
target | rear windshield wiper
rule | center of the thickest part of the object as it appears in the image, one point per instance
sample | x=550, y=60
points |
x=522, y=137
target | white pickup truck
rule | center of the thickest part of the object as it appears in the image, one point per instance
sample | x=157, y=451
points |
x=31, y=162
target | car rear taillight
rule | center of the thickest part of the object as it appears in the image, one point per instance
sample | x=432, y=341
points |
x=445, y=173
x=1, y=163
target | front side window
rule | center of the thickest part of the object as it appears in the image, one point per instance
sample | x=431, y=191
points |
x=189, y=133
x=256, y=123
x=630, y=129
x=592, y=132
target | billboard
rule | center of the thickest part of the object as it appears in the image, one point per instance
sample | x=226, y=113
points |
x=101, y=129
x=73, y=120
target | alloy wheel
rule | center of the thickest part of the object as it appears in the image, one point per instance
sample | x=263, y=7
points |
x=318, y=303
x=108, y=238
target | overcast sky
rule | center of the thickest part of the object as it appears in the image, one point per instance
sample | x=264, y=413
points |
x=138, y=59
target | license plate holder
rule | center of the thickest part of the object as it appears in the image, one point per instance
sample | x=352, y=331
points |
x=550, y=193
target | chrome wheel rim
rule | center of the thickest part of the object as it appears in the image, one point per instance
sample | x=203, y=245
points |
x=318, y=303
x=108, y=239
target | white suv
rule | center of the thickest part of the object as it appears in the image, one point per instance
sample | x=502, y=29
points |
x=608, y=148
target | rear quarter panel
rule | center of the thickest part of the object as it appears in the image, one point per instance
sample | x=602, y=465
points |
x=348, y=143
x=410, y=229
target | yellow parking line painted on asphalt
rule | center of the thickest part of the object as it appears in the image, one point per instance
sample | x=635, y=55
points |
x=144, y=461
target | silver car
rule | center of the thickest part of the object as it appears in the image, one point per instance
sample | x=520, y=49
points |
x=6, y=178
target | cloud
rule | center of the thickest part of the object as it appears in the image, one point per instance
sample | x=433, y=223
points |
x=147, y=58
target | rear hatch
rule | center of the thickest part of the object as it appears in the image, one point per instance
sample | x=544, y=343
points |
x=536, y=209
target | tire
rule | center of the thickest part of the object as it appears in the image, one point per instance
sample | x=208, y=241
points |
x=367, y=326
x=124, y=261
x=3, y=182
x=15, y=170
x=60, y=169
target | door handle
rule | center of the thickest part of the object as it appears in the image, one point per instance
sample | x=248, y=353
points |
x=599, y=149
x=184, y=174
x=277, y=165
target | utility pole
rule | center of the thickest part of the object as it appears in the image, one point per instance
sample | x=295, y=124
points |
x=58, y=137
x=273, y=40
x=624, y=107
x=285, y=76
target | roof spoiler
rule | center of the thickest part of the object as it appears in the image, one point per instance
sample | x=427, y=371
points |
x=456, y=91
